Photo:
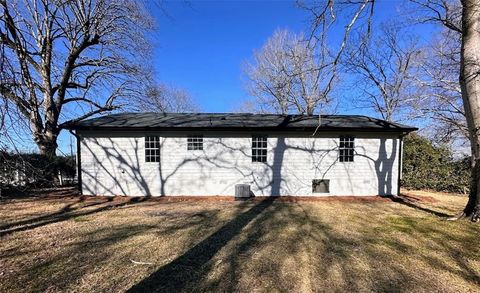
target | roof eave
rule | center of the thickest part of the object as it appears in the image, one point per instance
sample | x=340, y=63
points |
x=287, y=129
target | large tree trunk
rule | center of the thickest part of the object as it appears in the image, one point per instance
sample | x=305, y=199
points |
x=46, y=141
x=48, y=147
x=470, y=85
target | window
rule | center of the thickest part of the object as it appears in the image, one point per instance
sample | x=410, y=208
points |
x=259, y=148
x=152, y=149
x=320, y=185
x=195, y=142
x=347, y=148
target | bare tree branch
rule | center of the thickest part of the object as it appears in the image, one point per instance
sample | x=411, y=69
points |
x=385, y=68
x=287, y=75
x=163, y=98
x=58, y=51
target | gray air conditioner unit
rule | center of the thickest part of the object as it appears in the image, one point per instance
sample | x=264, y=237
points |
x=242, y=192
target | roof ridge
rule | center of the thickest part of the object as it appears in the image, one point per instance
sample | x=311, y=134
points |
x=244, y=113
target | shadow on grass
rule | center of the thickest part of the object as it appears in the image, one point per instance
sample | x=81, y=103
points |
x=187, y=268
x=406, y=201
x=32, y=194
x=266, y=246
x=197, y=270
x=66, y=213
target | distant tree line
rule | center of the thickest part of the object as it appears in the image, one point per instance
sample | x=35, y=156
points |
x=430, y=166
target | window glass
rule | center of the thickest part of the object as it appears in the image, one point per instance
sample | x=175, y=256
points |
x=195, y=142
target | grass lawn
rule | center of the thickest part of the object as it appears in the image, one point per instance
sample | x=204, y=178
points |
x=69, y=243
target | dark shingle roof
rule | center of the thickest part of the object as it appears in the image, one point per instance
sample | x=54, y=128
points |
x=231, y=121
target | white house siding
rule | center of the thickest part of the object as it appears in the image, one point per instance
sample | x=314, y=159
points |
x=113, y=163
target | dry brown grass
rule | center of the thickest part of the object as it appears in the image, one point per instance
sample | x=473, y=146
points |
x=88, y=244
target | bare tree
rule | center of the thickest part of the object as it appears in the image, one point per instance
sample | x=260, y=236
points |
x=66, y=57
x=347, y=14
x=442, y=96
x=385, y=66
x=463, y=18
x=163, y=98
x=287, y=75
x=470, y=86
x=296, y=73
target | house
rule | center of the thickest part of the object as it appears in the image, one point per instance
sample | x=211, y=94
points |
x=208, y=154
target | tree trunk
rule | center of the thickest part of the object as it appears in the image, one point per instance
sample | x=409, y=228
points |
x=470, y=86
x=47, y=146
x=46, y=142
x=472, y=209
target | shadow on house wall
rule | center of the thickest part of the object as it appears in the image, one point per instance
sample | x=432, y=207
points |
x=119, y=168
x=384, y=165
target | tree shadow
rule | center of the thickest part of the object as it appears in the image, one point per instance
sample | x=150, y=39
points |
x=113, y=160
x=31, y=194
x=375, y=251
x=67, y=208
x=404, y=200
x=383, y=165
x=117, y=167
x=218, y=262
x=59, y=272
x=385, y=172
x=188, y=267
x=66, y=213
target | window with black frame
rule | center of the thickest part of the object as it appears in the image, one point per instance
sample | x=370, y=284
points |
x=195, y=142
x=152, y=149
x=259, y=148
x=346, y=149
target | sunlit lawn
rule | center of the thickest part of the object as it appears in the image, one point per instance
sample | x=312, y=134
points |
x=92, y=244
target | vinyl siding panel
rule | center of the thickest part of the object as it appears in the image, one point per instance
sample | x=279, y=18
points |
x=114, y=164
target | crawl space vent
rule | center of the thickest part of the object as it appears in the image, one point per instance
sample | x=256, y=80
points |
x=320, y=185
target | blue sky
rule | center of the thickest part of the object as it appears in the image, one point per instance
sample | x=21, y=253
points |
x=201, y=45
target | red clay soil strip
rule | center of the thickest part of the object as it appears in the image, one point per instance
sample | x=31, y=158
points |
x=258, y=198
x=193, y=198
x=120, y=198
x=372, y=198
